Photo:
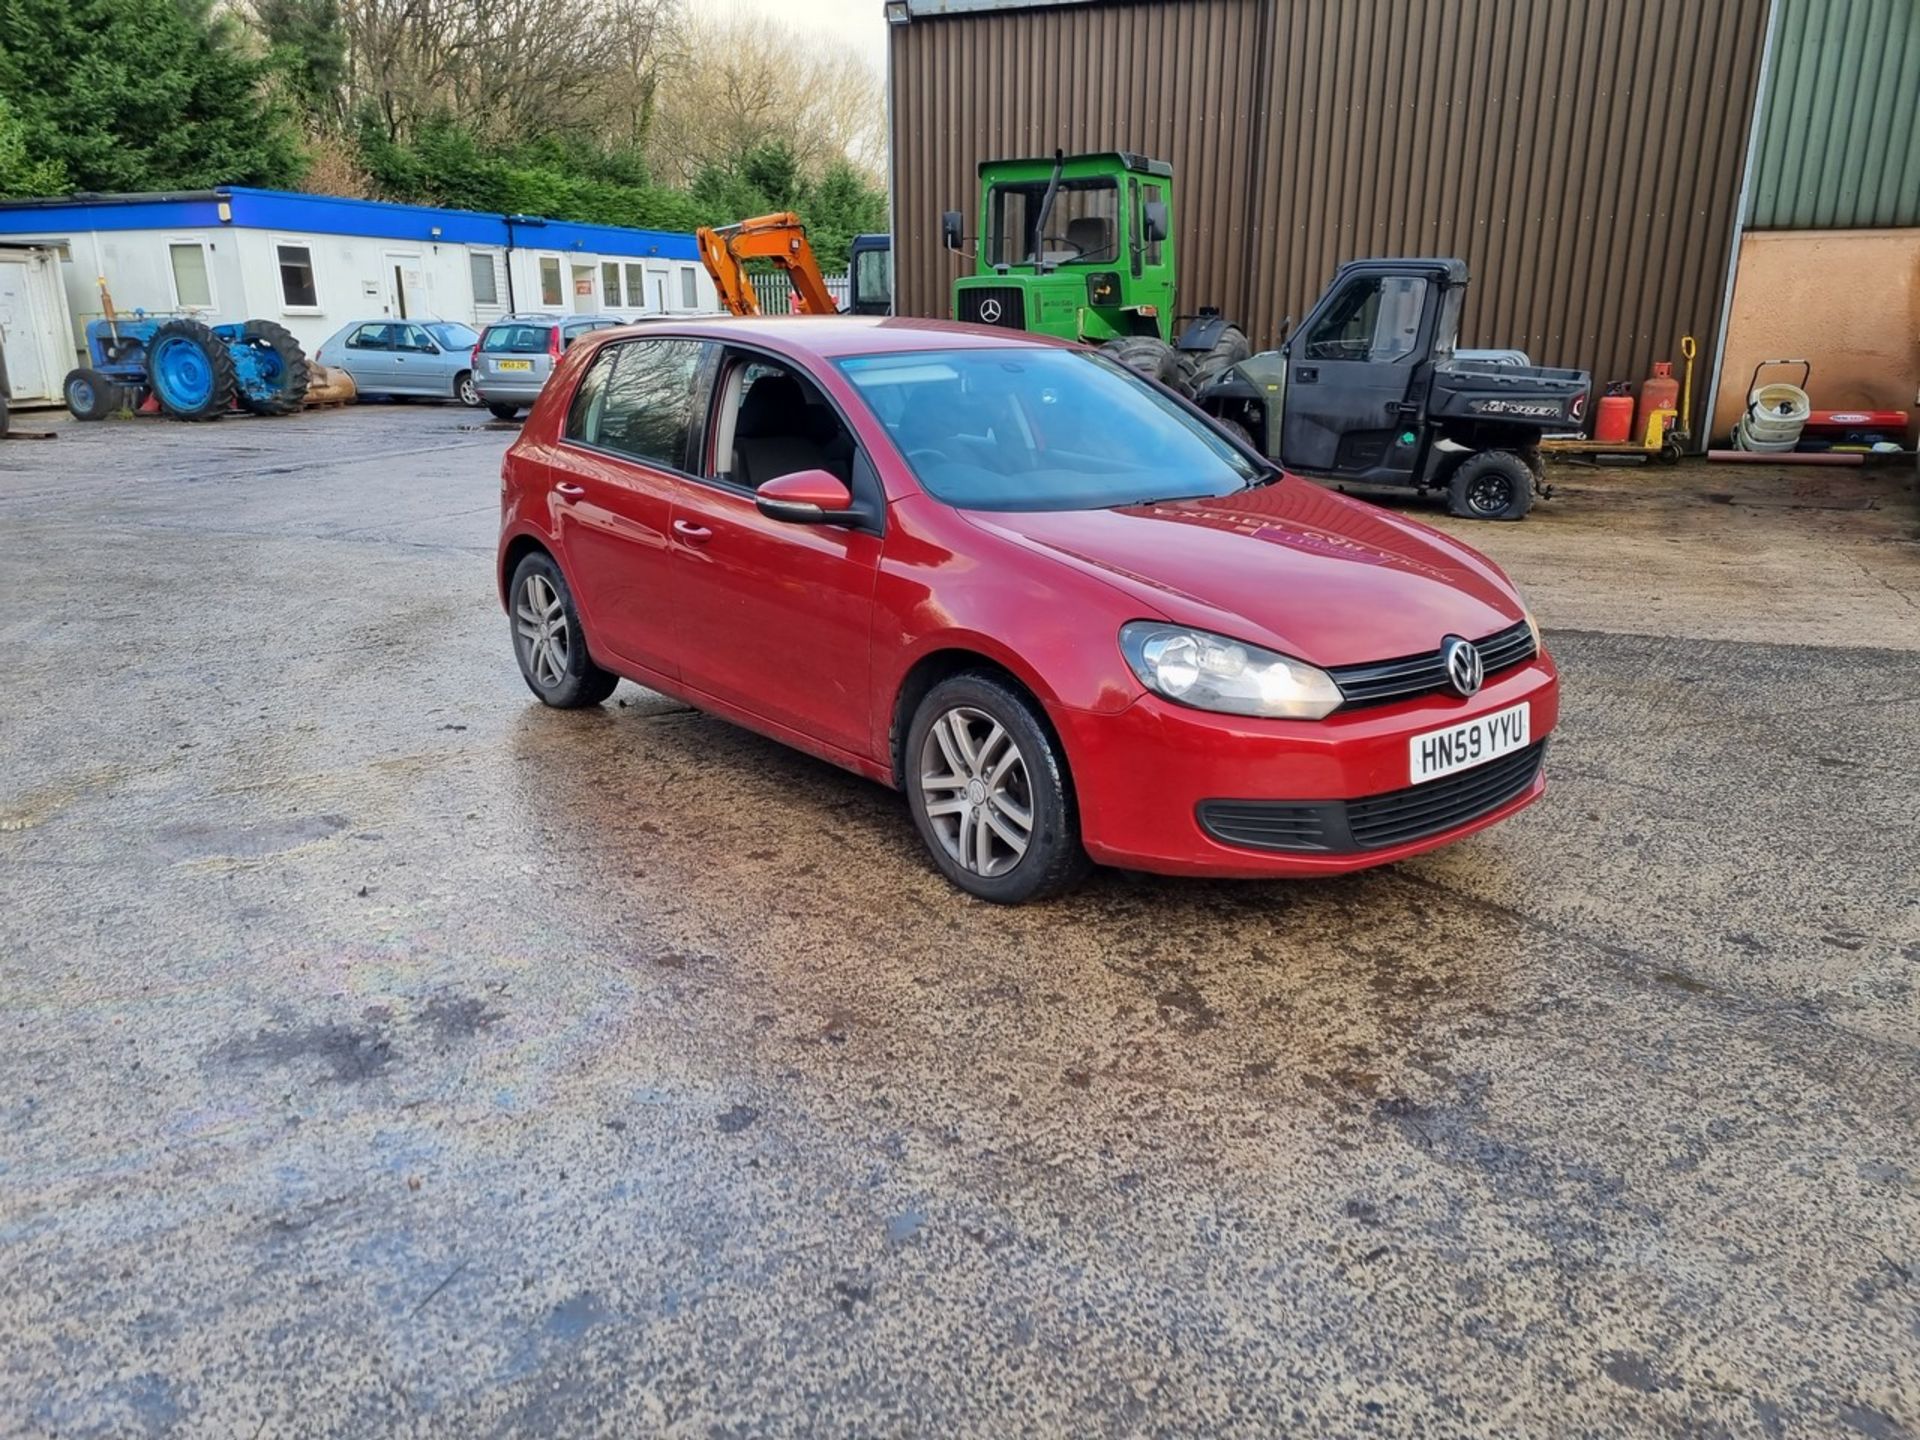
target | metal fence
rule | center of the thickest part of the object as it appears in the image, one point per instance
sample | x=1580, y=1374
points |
x=776, y=292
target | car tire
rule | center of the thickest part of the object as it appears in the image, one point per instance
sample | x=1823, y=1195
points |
x=957, y=754
x=547, y=638
x=500, y=410
x=1491, y=485
x=464, y=391
x=89, y=394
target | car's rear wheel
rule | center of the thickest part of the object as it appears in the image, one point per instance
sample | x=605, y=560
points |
x=548, y=640
x=464, y=391
x=990, y=793
x=500, y=410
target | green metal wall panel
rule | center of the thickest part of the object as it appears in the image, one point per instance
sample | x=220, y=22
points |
x=1840, y=133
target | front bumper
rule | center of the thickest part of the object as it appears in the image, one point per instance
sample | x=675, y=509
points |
x=1143, y=775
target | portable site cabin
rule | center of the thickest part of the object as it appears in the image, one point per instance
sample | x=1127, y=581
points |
x=313, y=263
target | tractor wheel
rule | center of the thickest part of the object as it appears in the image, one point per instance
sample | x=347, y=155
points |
x=1151, y=356
x=1227, y=351
x=1491, y=485
x=190, y=370
x=90, y=395
x=271, y=369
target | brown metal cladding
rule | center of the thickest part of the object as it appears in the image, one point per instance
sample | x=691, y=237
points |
x=1582, y=156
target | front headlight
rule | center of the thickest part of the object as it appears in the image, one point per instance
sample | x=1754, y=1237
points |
x=1211, y=672
x=1533, y=629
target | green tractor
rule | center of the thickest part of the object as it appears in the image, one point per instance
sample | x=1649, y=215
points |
x=1081, y=246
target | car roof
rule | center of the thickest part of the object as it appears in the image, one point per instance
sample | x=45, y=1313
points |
x=832, y=336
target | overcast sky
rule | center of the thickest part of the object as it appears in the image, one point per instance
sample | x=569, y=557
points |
x=859, y=24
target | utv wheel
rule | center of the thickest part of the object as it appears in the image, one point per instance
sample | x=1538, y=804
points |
x=1491, y=485
x=548, y=641
x=1237, y=431
x=990, y=793
x=1226, y=352
x=1151, y=356
x=90, y=395
x=464, y=391
x=502, y=411
x=280, y=372
x=190, y=371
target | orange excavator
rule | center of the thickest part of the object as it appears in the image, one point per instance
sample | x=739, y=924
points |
x=780, y=238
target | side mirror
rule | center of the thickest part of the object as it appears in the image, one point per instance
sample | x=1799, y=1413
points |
x=1156, y=218
x=806, y=497
x=950, y=229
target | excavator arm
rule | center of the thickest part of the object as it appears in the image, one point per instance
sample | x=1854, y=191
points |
x=780, y=238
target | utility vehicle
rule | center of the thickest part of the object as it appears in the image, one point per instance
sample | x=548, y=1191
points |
x=1371, y=390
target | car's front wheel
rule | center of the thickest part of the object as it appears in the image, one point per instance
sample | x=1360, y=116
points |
x=548, y=640
x=990, y=792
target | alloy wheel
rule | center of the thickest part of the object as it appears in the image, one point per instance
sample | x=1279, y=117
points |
x=977, y=793
x=540, y=620
x=466, y=394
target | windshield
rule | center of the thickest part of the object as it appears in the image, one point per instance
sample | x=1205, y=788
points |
x=515, y=339
x=1033, y=429
x=453, y=336
x=1082, y=228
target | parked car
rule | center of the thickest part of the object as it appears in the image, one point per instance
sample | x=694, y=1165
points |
x=406, y=357
x=1070, y=617
x=516, y=356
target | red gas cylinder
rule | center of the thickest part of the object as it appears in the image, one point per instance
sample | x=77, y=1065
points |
x=1613, y=417
x=1659, y=391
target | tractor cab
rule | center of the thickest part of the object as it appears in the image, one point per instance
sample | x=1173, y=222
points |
x=1076, y=246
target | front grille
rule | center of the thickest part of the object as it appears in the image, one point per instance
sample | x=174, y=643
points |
x=1010, y=300
x=1385, y=681
x=1377, y=821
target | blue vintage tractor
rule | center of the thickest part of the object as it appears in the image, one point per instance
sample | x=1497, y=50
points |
x=193, y=371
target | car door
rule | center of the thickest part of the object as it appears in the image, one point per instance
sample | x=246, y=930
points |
x=369, y=352
x=623, y=455
x=775, y=617
x=1350, y=369
x=416, y=362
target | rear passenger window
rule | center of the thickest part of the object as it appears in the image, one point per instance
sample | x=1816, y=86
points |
x=638, y=400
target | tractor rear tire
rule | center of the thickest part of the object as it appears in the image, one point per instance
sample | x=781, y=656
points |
x=1226, y=352
x=190, y=371
x=1491, y=485
x=1152, y=357
x=90, y=395
x=284, y=366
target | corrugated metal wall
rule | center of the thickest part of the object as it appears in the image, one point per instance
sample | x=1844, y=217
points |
x=1840, y=132
x=1583, y=158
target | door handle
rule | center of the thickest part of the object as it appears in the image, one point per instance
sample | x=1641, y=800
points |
x=691, y=533
x=570, y=490
x=1307, y=376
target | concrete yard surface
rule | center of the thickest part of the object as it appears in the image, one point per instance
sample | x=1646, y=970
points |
x=387, y=1055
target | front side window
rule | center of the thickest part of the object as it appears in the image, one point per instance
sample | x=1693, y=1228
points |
x=774, y=421
x=1375, y=319
x=412, y=337
x=516, y=339
x=1081, y=228
x=486, y=283
x=192, y=289
x=637, y=400
x=549, y=281
x=1033, y=429
x=298, y=290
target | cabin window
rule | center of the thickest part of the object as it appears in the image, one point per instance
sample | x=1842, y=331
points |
x=192, y=289
x=297, y=288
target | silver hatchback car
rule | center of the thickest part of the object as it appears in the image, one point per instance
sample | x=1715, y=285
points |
x=516, y=356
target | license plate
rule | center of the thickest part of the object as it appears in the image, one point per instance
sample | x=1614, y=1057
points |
x=1471, y=742
x=513, y=364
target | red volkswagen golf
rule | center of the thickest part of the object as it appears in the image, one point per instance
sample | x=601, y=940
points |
x=1035, y=591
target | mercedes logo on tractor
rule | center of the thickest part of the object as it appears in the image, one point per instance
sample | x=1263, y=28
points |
x=990, y=311
x=1465, y=669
